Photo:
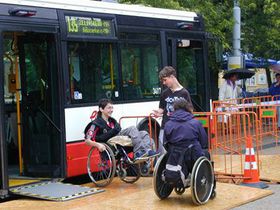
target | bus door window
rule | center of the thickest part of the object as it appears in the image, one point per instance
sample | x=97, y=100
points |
x=92, y=71
x=9, y=98
x=188, y=64
x=190, y=69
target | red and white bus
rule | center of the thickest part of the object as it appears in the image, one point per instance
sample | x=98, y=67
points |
x=60, y=57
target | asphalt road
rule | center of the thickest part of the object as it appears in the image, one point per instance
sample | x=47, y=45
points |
x=270, y=202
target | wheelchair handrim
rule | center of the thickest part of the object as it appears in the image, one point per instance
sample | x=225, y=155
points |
x=112, y=167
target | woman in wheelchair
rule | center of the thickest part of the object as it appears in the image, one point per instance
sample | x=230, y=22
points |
x=114, y=156
x=186, y=163
x=105, y=127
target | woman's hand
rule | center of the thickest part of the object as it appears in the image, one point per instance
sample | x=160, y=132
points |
x=100, y=147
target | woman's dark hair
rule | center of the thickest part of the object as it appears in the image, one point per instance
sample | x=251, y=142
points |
x=102, y=104
x=233, y=74
x=182, y=103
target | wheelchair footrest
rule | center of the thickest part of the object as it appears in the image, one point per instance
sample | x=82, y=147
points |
x=144, y=159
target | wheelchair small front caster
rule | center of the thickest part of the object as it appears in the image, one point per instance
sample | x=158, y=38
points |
x=179, y=190
x=145, y=169
x=121, y=173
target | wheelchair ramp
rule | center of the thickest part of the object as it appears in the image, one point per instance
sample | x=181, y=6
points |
x=55, y=191
x=141, y=195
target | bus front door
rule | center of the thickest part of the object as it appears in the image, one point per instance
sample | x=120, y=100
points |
x=40, y=105
x=32, y=105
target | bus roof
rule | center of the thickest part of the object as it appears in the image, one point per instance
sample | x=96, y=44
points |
x=108, y=8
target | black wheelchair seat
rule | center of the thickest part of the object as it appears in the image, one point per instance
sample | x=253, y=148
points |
x=178, y=166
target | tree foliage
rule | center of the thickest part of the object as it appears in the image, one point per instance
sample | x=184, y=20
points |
x=261, y=27
x=168, y=4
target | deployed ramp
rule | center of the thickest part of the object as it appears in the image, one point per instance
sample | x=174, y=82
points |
x=55, y=191
x=141, y=195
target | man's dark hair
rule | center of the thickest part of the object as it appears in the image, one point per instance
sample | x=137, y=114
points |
x=183, y=104
x=167, y=71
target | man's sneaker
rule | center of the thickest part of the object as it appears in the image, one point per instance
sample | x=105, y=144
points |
x=140, y=154
x=152, y=153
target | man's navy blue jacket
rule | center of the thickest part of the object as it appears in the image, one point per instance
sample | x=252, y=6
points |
x=182, y=129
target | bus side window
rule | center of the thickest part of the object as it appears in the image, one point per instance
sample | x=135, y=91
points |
x=140, y=64
x=132, y=92
x=92, y=71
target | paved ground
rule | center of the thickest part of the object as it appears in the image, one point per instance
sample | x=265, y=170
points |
x=270, y=202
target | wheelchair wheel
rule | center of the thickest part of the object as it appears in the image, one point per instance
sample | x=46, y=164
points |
x=128, y=173
x=101, y=167
x=202, y=181
x=161, y=188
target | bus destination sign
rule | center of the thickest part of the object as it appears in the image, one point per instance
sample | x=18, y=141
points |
x=89, y=26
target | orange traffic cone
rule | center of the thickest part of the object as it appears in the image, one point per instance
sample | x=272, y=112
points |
x=251, y=172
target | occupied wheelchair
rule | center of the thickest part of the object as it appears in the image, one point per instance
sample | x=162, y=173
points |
x=199, y=178
x=116, y=159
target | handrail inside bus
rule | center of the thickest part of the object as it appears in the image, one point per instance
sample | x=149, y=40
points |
x=49, y=119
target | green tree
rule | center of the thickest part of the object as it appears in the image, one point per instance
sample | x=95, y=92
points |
x=261, y=29
x=168, y=4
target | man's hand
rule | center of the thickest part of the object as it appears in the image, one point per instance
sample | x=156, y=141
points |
x=158, y=112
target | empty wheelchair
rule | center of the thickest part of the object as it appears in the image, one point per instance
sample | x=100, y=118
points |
x=199, y=178
x=116, y=159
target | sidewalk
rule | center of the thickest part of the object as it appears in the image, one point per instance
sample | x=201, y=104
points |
x=271, y=202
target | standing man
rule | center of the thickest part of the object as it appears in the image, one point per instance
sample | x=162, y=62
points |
x=173, y=92
x=274, y=90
